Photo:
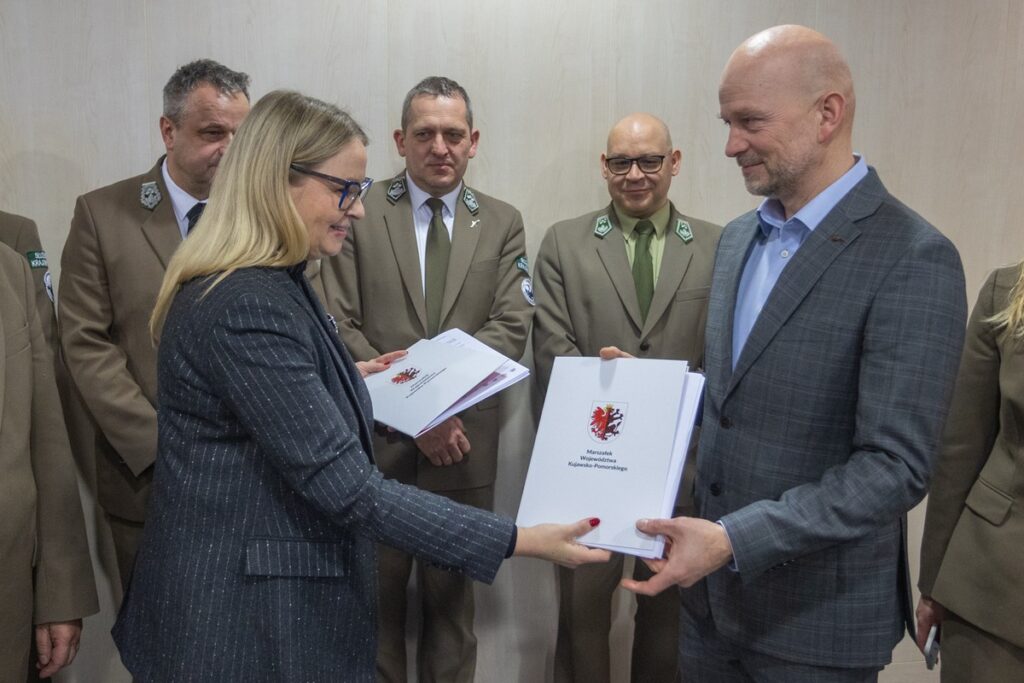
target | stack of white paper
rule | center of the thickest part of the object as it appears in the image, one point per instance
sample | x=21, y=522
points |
x=612, y=444
x=439, y=377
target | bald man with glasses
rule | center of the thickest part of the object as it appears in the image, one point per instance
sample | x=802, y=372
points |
x=634, y=275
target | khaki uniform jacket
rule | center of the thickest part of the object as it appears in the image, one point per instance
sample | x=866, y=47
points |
x=971, y=553
x=586, y=298
x=42, y=533
x=121, y=239
x=374, y=289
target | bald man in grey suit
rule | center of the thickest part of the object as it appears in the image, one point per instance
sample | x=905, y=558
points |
x=834, y=331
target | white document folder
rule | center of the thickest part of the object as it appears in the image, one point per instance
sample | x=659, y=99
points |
x=612, y=444
x=437, y=379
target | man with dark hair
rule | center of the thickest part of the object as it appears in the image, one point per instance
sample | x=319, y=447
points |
x=121, y=238
x=432, y=255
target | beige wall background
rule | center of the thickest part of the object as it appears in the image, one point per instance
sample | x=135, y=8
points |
x=938, y=84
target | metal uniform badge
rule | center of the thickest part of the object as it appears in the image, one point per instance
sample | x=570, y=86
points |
x=523, y=265
x=149, y=195
x=602, y=226
x=48, y=283
x=396, y=190
x=469, y=199
x=527, y=287
x=683, y=231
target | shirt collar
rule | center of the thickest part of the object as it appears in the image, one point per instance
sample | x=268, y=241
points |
x=419, y=197
x=181, y=201
x=659, y=219
x=771, y=214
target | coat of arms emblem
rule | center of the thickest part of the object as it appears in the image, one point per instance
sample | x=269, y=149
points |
x=404, y=376
x=606, y=420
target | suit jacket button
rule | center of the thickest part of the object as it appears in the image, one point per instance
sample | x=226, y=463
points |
x=725, y=422
x=716, y=489
x=646, y=346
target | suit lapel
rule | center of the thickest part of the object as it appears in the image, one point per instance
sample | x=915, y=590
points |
x=401, y=229
x=343, y=362
x=465, y=234
x=832, y=236
x=160, y=226
x=611, y=249
x=675, y=260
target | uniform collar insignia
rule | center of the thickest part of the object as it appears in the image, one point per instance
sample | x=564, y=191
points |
x=683, y=231
x=149, y=195
x=397, y=190
x=469, y=199
x=602, y=226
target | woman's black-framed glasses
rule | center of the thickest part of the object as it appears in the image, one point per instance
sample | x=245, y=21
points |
x=350, y=189
x=650, y=163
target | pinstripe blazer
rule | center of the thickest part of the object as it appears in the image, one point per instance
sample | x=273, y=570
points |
x=258, y=560
x=824, y=435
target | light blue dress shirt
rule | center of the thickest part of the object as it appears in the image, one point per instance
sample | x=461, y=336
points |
x=778, y=242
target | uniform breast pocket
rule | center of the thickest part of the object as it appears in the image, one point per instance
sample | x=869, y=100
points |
x=484, y=265
x=288, y=557
x=694, y=294
x=16, y=342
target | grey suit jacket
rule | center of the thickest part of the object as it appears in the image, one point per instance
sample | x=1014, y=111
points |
x=971, y=554
x=824, y=435
x=258, y=559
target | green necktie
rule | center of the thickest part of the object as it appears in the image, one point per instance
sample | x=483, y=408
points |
x=439, y=245
x=643, y=266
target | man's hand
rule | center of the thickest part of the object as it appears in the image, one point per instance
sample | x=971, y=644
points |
x=613, y=352
x=57, y=644
x=382, y=362
x=929, y=613
x=445, y=444
x=694, y=547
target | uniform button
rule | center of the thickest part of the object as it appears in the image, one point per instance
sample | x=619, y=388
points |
x=716, y=489
x=725, y=422
x=645, y=346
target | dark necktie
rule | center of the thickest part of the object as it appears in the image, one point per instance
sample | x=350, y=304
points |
x=193, y=215
x=439, y=245
x=643, y=267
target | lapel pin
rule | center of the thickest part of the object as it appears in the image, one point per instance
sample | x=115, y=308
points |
x=475, y=221
x=837, y=238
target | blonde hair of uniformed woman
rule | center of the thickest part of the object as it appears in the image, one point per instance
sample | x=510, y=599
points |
x=1011, y=318
x=250, y=219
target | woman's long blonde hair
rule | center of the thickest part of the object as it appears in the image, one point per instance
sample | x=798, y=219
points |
x=250, y=219
x=1011, y=318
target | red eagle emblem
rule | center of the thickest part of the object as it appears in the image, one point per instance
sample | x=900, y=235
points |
x=606, y=421
x=404, y=376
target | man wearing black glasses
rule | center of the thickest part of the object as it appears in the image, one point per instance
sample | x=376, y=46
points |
x=433, y=254
x=120, y=241
x=635, y=275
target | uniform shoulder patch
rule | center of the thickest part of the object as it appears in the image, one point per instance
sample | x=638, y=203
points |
x=37, y=259
x=602, y=226
x=149, y=195
x=683, y=231
x=396, y=190
x=523, y=265
x=469, y=199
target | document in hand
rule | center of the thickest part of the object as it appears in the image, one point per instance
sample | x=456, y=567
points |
x=611, y=444
x=437, y=379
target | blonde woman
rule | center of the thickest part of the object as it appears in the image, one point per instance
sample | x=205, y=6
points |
x=972, y=556
x=257, y=562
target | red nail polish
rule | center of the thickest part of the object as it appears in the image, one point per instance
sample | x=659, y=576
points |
x=594, y=521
